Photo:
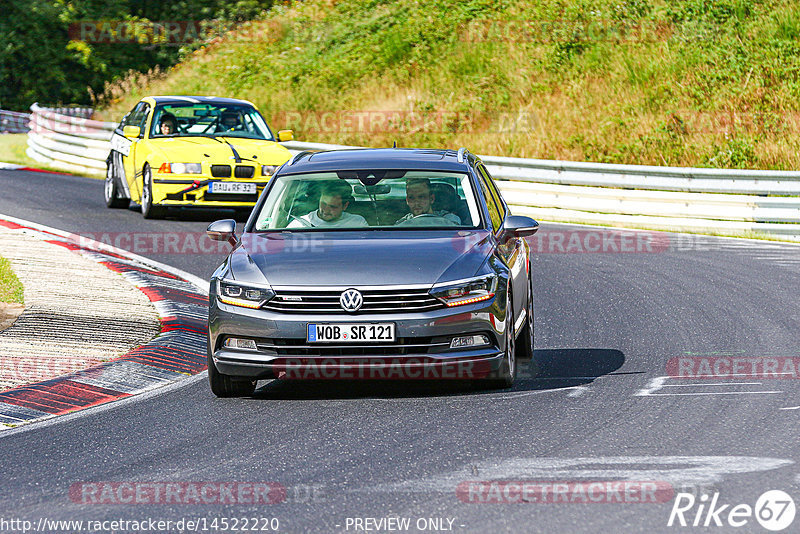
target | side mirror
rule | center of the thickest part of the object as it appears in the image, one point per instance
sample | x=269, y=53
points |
x=131, y=131
x=285, y=135
x=519, y=226
x=224, y=230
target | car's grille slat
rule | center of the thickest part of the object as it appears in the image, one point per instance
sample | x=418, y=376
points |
x=221, y=171
x=244, y=171
x=375, y=301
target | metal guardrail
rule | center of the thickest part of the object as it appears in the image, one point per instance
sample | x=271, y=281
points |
x=69, y=141
x=669, y=198
x=13, y=121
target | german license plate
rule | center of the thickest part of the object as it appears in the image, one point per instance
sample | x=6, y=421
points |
x=232, y=187
x=347, y=332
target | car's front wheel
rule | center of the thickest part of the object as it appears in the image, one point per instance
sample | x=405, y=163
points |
x=228, y=386
x=111, y=191
x=525, y=340
x=508, y=368
x=149, y=209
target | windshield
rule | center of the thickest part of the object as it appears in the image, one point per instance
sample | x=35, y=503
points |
x=349, y=200
x=204, y=119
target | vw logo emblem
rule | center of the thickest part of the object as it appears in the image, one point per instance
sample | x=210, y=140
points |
x=351, y=300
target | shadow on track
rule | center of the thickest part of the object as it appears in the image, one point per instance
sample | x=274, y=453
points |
x=550, y=369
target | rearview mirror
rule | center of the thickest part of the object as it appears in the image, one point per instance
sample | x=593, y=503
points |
x=224, y=230
x=131, y=131
x=285, y=135
x=519, y=226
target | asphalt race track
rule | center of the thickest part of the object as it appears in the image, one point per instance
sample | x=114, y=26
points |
x=603, y=402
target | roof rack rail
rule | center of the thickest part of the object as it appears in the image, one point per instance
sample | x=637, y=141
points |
x=298, y=156
x=461, y=153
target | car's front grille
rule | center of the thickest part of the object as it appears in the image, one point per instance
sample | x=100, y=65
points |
x=221, y=171
x=244, y=171
x=375, y=301
x=301, y=348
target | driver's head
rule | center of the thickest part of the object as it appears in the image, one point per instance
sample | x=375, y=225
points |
x=168, y=124
x=229, y=120
x=333, y=200
x=418, y=196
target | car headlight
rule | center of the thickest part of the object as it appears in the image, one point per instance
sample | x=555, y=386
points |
x=180, y=168
x=268, y=170
x=243, y=295
x=468, y=291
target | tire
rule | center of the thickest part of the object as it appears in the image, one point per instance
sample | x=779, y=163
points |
x=508, y=369
x=225, y=386
x=150, y=210
x=111, y=190
x=525, y=338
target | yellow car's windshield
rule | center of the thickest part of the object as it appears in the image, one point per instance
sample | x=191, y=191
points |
x=209, y=120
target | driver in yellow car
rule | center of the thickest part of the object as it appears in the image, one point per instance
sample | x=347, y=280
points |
x=169, y=125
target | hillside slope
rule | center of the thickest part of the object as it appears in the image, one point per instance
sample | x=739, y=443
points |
x=690, y=83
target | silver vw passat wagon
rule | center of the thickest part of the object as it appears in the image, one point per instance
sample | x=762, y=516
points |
x=373, y=264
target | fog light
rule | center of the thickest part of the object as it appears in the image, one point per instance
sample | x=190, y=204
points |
x=240, y=343
x=469, y=341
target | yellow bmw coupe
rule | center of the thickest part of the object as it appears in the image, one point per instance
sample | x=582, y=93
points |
x=191, y=151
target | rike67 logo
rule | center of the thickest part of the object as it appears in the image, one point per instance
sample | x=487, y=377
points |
x=774, y=510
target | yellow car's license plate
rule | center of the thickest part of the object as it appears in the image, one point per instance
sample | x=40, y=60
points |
x=232, y=187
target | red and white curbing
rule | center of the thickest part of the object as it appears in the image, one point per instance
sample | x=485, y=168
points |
x=177, y=352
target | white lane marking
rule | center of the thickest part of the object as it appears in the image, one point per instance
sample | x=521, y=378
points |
x=671, y=469
x=658, y=383
x=791, y=408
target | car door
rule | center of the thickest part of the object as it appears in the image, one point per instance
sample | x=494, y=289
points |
x=513, y=251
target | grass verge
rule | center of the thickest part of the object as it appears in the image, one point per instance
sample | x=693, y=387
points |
x=11, y=290
x=12, y=150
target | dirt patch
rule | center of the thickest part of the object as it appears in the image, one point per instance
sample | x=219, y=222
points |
x=9, y=313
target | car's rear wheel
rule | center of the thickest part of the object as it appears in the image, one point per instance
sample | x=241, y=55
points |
x=228, y=386
x=111, y=188
x=508, y=368
x=525, y=339
x=150, y=210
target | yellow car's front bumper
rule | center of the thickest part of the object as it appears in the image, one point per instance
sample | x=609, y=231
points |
x=193, y=190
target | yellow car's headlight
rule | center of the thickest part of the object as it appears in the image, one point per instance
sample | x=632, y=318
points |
x=180, y=168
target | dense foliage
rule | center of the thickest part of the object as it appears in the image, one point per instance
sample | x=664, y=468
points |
x=40, y=60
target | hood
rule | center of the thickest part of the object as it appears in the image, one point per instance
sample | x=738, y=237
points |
x=204, y=149
x=360, y=259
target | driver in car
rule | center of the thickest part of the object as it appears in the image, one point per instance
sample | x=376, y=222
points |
x=334, y=199
x=168, y=125
x=420, y=202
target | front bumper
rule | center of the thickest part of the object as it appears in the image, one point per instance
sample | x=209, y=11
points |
x=192, y=190
x=296, y=359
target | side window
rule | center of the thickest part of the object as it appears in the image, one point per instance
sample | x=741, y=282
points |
x=494, y=213
x=137, y=117
x=495, y=193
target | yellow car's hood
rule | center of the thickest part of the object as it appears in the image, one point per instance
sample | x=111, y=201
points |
x=200, y=149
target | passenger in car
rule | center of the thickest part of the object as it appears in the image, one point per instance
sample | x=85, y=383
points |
x=334, y=199
x=419, y=198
